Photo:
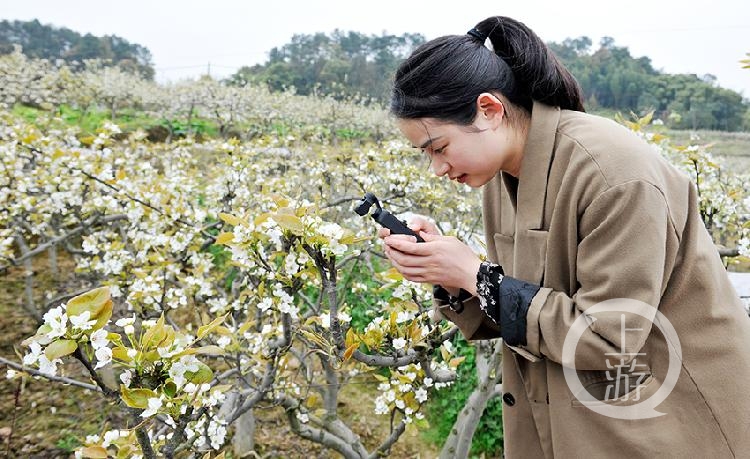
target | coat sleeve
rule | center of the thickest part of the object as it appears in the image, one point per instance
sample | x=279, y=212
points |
x=470, y=319
x=627, y=246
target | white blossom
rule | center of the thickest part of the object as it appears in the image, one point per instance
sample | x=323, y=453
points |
x=154, y=404
x=399, y=343
x=99, y=339
x=103, y=357
x=126, y=377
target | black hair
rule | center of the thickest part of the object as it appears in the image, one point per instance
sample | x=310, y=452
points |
x=443, y=77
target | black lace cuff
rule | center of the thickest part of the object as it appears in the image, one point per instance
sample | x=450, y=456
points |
x=506, y=301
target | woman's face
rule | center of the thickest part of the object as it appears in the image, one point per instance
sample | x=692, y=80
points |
x=470, y=154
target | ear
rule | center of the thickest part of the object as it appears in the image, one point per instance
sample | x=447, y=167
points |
x=490, y=108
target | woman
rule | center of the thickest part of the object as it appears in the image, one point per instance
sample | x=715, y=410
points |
x=578, y=212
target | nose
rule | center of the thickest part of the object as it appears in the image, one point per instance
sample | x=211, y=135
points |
x=440, y=168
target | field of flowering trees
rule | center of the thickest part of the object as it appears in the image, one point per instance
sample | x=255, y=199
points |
x=212, y=276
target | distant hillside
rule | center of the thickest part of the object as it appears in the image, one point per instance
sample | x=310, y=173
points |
x=50, y=42
x=350, y=63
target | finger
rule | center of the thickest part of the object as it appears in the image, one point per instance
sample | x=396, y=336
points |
x=404, y=260
x=383, y=233
x=405, y=237
x=409, y=246
x=419, y=223
x=429, y=236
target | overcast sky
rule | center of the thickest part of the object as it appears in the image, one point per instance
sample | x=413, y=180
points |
x=680, y=36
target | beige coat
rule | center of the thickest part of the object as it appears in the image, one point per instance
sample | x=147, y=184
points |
x=598, y=214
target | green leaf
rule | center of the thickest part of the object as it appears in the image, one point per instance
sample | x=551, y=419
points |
x=202, y=376
x=169, y=388
x=136, y=398
x=60, y=348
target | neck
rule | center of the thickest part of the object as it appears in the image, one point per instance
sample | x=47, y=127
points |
x=518, y=141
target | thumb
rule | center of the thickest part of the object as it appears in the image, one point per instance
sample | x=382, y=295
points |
x=429, y=236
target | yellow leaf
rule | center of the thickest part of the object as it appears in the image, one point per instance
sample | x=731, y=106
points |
x=94, y=452
x=93, y=301
x=646, y=119
x=206, y=329
x=316, y=338
x=230, y=219
x=289, y=222
x=415, y=331
x=313, y=401
x=224, y=238
x=155, y=335
x=136, y=398
x=444, y=353
x=121, y=353
x=60, y=348
x=455, y=362
x=280, y=201
x=103, y=316
x=223, y=331
x=121, y=174
x=245, y=327
x=392, y=274
x=29, y=138
x=352, y=239
x=350, y=351
x=351, y=338
x=260, y=219
x=209, y=350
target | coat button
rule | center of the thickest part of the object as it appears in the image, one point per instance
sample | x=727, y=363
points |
x=508, y=399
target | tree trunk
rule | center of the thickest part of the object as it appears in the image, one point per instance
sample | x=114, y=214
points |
x=458, y=444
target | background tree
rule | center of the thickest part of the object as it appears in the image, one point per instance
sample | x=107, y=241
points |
x=48, y=42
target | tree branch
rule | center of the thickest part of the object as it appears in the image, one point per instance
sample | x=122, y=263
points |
x=60, y=379
x=112, y=393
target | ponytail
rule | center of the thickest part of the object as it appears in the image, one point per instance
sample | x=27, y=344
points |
x=537, y=71
x=443, y=77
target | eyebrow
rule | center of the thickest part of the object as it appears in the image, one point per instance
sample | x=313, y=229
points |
x=429, y=141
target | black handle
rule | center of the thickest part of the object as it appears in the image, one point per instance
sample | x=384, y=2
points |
x=388, y=220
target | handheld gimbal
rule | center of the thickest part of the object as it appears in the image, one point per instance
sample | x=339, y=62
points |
x=382, y=216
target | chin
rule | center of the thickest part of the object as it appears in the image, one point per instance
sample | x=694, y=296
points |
x=477, y=182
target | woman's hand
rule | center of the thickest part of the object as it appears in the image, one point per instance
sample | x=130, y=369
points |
x=417, y=223
x=440, y=260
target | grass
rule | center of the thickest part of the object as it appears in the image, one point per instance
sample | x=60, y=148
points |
x=732, y=147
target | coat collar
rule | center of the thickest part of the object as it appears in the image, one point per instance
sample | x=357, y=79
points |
x=535, y=166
